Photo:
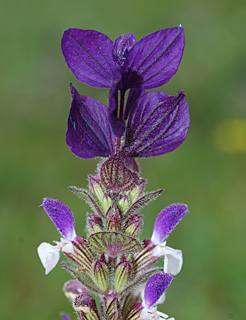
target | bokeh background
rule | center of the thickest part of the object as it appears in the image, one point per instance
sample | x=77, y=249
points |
x=207, y=171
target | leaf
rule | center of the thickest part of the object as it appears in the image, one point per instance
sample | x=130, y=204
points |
x=141, y=202
x=84, y=194
x=141, y=279
x=81, y=276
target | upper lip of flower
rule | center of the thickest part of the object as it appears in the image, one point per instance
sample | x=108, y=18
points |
x=154, y=289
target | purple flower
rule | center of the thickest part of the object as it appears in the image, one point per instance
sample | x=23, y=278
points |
x=153, y=294
x=62, y=218
x=166, y=221
x=148, y=63
x=158, y=123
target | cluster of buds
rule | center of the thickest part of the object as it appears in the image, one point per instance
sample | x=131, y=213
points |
x=112, y=262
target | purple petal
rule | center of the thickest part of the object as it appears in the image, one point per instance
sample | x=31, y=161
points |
x=61, y=216
x=154, y=59
x=64, y=316
x=155, y=287
x=167, y=220
x=157, y=124
x=121, y=47
x=88, y=54
x=118, y=125
x=88, y=134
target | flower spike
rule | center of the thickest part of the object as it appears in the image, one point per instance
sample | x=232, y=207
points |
x=112, y=264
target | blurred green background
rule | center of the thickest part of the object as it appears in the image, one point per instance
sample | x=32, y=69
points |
x=207, y=171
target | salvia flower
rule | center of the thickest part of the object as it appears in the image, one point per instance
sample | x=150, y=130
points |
x=153, y=295
x=62, y=218
x=112, y=263
x=166, y=221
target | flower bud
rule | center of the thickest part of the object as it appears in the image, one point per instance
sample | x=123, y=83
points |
x=116, y=177
x=72, y=288
x=112, y=311
x=94, y=223
x=123, y=203
x=121, y=274
x=137, y=191
x=101, y=274
x=133, y=225
x=135, y=312
x=113, y=222
x=85, y=305
x=106, y=202
x=96, y=187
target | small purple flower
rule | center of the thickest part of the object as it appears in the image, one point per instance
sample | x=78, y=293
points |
x=166, y=221
x=154, y=293
x=62, y=218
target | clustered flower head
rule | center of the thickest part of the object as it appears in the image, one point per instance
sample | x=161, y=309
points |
x=112, y=262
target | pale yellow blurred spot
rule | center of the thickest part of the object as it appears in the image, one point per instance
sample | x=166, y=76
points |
x=230, y=135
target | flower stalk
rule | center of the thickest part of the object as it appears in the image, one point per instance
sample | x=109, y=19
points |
x=112, y=262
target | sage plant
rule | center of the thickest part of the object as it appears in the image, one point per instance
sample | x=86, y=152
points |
x=114, y=276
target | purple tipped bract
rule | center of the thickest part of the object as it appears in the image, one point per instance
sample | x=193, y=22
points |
x=157, y=124
x=147, y=63
x=89, y=133
x=61, y=216
x=167, y=220
x=88, y=54
x=155, y=287
x=154, y=59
